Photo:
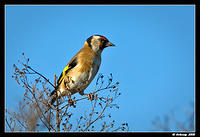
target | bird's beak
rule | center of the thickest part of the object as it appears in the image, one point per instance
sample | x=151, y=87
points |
x=109, y=44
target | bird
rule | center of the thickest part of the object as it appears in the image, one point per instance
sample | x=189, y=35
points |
x=81, y=69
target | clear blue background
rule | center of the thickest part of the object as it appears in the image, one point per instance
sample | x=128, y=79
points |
x=153, y=59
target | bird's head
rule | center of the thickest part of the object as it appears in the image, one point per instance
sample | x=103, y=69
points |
x=98, y=43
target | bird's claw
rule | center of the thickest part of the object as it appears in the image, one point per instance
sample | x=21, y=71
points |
x=90, y=96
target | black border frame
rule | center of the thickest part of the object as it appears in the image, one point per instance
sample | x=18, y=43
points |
x=90, y=2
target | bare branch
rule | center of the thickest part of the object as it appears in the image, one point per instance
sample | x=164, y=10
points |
x=36, y=98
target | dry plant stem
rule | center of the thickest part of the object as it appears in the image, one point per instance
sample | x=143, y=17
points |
x=26, y=84
x=57, y=108
x=37, y=104
x=40, y=110
x=97, y=117
x=18, y=122
x=64, y=113
x=78, y=124
x=60, y=116
x=178, y=124
x=49, y=121
x=11, y=129
x=92, y=93
x=92, y=110
x=40, y=75
x=107, y=127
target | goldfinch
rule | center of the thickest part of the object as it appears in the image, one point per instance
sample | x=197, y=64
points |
x=81, y=69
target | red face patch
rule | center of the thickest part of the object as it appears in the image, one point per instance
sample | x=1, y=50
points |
x=103, y=41
x=103, y=38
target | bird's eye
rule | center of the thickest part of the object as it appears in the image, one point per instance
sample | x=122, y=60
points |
x=102, y=40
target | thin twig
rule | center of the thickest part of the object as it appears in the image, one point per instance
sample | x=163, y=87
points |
x=9, y=125
x=57, y=108
x=40, y=75
x=97, y=117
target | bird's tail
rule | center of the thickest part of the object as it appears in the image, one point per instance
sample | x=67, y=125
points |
x=53, y=92
x=53, y=99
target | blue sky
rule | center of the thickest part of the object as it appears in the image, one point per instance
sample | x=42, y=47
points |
x=153, y=59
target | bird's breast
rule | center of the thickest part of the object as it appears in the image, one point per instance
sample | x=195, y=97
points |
x=94, y=69
x=83, y=73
